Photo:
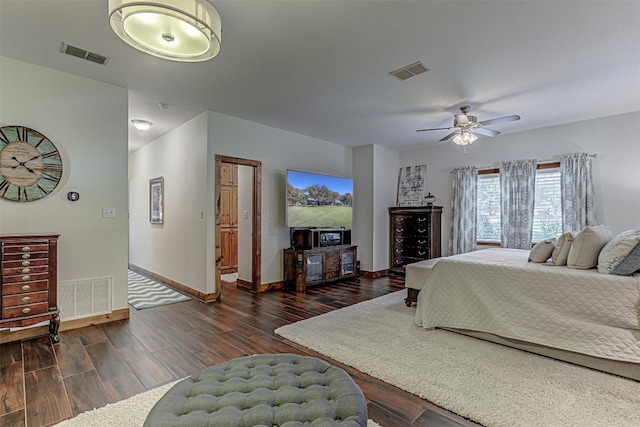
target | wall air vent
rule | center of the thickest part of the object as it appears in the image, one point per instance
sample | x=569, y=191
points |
x=84, y=54
x=410, y=70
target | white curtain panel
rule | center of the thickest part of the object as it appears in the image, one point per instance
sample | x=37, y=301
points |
x=517, y=189
x=578, y=192
x=462, y=235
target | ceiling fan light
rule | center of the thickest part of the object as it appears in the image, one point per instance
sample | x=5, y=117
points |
x=465, y=138
x=177, y=30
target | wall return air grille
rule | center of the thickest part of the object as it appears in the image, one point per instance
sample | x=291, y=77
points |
x=84, y=298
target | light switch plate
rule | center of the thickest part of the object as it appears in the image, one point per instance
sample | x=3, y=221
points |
x=108, y=212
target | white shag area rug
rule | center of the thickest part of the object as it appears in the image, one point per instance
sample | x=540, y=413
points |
x=130, y=412
x=485, y=382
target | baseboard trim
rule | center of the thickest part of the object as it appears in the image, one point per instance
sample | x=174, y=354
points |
x=38, y=331
x=263, y=287
x=204, y=297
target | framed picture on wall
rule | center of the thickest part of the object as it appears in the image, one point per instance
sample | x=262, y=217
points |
x=156, y=200
x=411, y=185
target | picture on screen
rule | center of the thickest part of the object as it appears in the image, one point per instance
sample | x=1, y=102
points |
x=316, y=200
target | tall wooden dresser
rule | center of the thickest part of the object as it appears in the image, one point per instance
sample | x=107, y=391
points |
x=415, y=235
x=29, y=281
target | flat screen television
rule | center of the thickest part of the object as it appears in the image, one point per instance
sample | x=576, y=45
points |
x=317, y=200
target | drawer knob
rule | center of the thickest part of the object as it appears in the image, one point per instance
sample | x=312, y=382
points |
x=26, y=310
x=26, y=277
x=26, y=249
x=26, y=256
x=26, y=287
x=26, y=263
x=26, y=270
x=26, y=299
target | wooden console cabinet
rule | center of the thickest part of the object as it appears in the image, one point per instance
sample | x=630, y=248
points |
x=308, y=267
x=415, y=235
x=29, y=281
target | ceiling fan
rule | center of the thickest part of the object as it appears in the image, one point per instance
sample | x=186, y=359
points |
x=466, y=127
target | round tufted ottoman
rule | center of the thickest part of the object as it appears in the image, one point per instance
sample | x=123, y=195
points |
x=283, y=390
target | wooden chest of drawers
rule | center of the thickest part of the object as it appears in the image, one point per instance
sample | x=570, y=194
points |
x=29, y=281
x=415, y=235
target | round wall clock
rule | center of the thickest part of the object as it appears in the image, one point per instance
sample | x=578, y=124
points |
x=30, y=164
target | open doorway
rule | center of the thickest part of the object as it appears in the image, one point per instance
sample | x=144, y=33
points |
x=235, y=242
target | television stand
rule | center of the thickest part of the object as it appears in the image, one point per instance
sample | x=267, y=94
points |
x=317, y=266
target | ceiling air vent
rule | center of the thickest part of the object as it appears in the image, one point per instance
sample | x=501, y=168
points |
x=84, y=54
x=410, y=70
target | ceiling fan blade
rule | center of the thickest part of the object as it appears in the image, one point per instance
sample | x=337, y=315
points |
x=486, y=132
x=451, y=135
x=424, y=130
x=504, y=119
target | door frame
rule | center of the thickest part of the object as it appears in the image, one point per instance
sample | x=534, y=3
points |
x=256, y=215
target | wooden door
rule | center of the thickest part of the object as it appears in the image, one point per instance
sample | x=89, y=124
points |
x=229, y=217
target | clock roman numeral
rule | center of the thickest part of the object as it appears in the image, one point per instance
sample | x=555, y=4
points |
x=44, y=138
x=23, y=133
x=50, y=177
x=42, y=190
x=4, y=186
x=51, y=154
x=56, y=167
x=3, y=138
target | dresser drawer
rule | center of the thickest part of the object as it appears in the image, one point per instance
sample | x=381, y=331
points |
x=25, y=310
x=25, y=256
x=25, y=247
x=25, y=278
x=21, y=288
x=38, y=262
x=24, y=299
x=19, y=269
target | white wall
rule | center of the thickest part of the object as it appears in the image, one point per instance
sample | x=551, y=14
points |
x=87, y=121
x=614, y=139
x=176, y=249
x=375, y=173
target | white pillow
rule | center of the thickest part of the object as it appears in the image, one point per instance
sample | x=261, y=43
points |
x=542, y=250
x=561, y=249
x=621, y=255
x=586, y=247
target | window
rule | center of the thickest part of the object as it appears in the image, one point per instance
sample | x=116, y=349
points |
x=547, y=214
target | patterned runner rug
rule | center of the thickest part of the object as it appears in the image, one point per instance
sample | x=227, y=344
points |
x=147, y=293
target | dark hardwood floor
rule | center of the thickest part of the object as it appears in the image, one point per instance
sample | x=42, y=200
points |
x=42, y=384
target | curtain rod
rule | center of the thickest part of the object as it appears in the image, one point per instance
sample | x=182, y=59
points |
x=543, y=162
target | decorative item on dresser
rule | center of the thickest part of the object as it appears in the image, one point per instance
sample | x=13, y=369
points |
x=415, y=236
x=29, y=281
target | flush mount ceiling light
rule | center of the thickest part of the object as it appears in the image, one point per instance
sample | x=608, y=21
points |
x=177, y=30
x=141, y=125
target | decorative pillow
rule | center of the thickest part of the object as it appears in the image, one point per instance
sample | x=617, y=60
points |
x=586, y=247
x=621, y=255
x=542, y=250
x=561, y=248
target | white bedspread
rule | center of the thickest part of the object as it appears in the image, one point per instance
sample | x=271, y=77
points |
x=499, y=292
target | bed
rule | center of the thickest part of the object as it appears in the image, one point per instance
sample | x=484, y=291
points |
x=581, y=316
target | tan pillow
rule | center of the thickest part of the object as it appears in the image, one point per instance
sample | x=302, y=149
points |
x=586, y=247
x=542, y=250
x=561, y=249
